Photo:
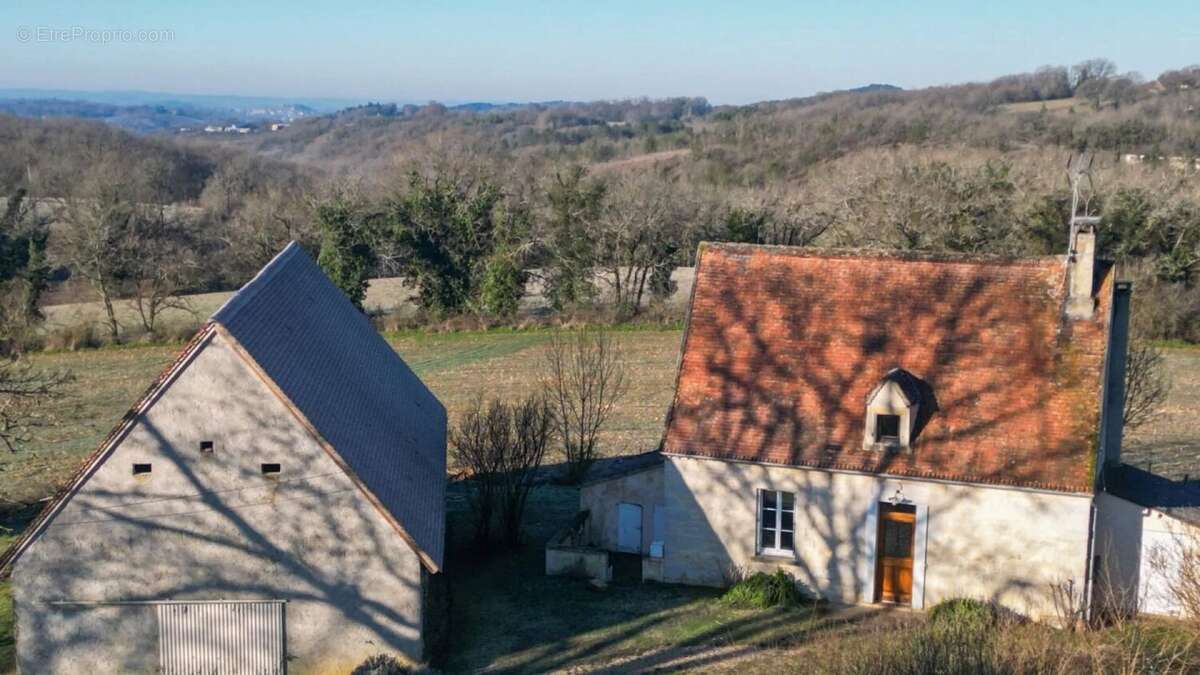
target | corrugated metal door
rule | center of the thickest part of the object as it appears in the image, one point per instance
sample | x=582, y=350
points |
x=221, y=638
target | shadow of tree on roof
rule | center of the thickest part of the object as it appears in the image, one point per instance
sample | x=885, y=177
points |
x=779, y=361
x=213, y=527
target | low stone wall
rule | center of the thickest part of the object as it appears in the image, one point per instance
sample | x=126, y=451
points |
x=578, y=561
x=652, y=569
x=568, y=555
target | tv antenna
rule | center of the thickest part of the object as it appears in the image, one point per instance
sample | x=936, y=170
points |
x=1079, y=172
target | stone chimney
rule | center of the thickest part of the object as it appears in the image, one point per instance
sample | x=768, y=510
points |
x=1081, y=268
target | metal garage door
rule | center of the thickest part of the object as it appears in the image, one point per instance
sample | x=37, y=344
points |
x=234, y=638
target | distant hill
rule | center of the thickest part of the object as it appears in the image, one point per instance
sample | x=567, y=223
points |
x=222, y=102
x=868, y=88
x=146, y=118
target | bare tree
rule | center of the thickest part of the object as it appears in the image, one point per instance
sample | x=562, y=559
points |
x=1147, y=384
x=1069, y=603
x=25, y=395
x=530, y=437
x=638, y=233
x=1178, y=562
x=164, y=260
x=501, y=446
x=584, y=380
x=1092, y=69
x=97, y=217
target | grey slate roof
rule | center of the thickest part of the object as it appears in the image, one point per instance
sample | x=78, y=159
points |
x=608, y=468
x=328, y=359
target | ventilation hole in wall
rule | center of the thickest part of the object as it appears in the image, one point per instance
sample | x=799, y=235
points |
x=141, y=469
x=206, y=447
x=270, y=469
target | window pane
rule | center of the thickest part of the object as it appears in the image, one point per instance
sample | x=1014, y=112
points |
x=768, y=499
x=789, y=501
x=785, y=541
x=897, y=539
x=768, y=538
x=785, y=522
x=887, y=427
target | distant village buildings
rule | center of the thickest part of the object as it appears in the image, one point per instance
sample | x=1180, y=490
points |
x=1175, y=162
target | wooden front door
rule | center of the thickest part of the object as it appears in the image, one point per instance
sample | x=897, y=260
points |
x=894, y=552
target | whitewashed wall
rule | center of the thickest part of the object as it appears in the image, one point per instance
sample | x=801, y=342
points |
x=644, y=488
x=1141, y=549
x=1005, y=545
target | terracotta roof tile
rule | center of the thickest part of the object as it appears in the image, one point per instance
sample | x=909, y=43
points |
x=784, y=346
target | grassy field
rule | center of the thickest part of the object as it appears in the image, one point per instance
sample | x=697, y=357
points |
x=457, y=366
x=382, y=295
x=1054, y=106
x=1170, y=445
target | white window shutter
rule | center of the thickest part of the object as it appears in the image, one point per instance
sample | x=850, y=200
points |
x=920, y=535
x=866, y=558
x=757, y=521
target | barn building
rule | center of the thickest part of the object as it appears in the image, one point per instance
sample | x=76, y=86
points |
x=274, y=502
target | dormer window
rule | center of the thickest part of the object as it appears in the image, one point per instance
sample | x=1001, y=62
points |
x=893, y=409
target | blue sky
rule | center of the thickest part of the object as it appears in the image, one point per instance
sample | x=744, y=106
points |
x=521, y=50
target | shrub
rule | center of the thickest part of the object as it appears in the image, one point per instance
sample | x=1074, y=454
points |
x=761, y=590
x=73, y=337
x=381, y=664
x=503, y=286
x=963, y=612
x=501, y=445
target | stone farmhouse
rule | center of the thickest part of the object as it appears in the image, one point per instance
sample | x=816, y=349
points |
x=893, y=428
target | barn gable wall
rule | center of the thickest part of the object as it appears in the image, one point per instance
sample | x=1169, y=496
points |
x=212, y=526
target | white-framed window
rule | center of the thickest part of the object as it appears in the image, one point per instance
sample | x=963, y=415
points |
x=776, y=522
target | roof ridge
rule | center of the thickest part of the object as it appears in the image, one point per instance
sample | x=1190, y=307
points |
x=230, y=307
x=865, y=253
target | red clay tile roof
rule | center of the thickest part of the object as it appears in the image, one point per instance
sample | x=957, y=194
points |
x=784, y=346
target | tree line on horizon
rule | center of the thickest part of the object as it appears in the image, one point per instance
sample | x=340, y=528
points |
x=468, y=207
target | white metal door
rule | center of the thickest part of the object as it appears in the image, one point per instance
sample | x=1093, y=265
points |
x=629, y=528
x=234, y=638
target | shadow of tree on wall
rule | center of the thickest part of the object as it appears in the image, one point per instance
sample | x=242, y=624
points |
x=214, y=527
x=780, y=357
x=508, y=616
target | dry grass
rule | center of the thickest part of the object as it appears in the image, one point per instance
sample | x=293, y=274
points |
x=1170, y=445
x=1055, y=106
x=382, y=295
x=638, y=161
x=456, y=366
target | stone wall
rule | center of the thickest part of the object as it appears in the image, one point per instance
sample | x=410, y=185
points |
x=212, y=526
x=600, y=500
x=1005, y=545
